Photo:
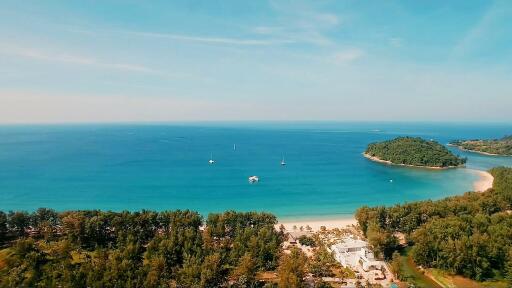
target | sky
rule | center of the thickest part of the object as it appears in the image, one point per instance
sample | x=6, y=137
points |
x=134, y=60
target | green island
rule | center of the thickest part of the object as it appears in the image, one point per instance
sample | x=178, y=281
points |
x=413, y=151
x=468, y=235
x=501, y=146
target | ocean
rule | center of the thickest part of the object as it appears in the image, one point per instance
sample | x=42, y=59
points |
x=165, y=166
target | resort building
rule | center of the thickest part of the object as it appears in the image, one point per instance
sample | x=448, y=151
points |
x=355, y=253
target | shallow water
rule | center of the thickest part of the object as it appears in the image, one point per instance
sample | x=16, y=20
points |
x=165, y=166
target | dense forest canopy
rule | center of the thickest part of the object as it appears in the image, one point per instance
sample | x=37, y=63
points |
x=136, y=249
x=501, y=146
x=415, y=152
x=469, y=235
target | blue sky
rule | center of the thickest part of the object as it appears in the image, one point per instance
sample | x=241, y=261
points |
x=103, y=61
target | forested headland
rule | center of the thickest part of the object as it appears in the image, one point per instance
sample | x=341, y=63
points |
x=501, y=146
x=469, y=235
x=413, y=151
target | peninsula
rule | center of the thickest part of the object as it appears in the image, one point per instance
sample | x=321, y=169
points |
x=413, y=152
x=494, y=147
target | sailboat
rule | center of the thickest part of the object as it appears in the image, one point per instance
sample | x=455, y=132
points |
x=283, y=162
x=211, y=161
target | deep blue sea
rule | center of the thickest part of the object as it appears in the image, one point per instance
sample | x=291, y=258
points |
x=165, y=166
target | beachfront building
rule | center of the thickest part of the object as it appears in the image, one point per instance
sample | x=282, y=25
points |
x=355, y=253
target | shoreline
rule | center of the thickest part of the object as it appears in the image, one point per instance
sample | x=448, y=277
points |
x=478, y=152
x=315, y=224
x=484, y=183
x=377, y=159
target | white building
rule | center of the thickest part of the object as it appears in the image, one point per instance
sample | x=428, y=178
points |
x=355, y=253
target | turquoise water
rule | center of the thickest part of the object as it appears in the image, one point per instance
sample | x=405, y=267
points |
x=132, y=167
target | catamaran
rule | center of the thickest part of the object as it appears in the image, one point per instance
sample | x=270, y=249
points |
x=254, y=179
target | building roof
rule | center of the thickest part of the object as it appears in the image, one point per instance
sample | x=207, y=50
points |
x=351, y=243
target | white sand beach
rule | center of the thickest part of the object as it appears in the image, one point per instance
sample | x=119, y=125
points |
x=482, y=184
x=485, y=181
x=315, y=224
x=377, y=159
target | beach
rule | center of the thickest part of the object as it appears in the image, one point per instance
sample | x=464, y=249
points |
x=377, y=159
x=315, y=224
x=484, y=182
x=478, y=152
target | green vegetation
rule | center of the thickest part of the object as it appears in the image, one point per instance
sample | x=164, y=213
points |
x=292, y=269
x=409, y=272
x=469, y=235
x=501, y=146
x=307, y=241
x=414, y=152
x=155, y=249
x=139, y=249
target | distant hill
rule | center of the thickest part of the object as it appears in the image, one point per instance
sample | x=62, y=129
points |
x=413, y=152
x=501, y=146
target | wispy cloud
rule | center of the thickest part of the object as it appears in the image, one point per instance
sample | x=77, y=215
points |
x=492, y=21
x=212, y=40
x=348, y=56
x=71, y=59
x=396, y=42
x=326, y=18
x=296, y=26
x=294, y=33
x=303, y=22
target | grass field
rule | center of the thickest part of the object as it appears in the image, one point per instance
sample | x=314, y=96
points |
x=439, y=279
x=457, y=281
x=413, y=275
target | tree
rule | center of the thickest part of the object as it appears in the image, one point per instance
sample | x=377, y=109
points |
x=395, y=265
x=245, y=273
x=292, y=269
x=382, y=241
x=212, y=272
x=508, y=267
x=18, y=222
x=3, y=227
x=322, y=284
x=138, y=249
x=307, y=241
x=190, y=273
x=320, y=265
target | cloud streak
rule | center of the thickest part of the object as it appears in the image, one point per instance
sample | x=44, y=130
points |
x=72, y=59
x=496, y=15
x=212, y=40
x=348, y=56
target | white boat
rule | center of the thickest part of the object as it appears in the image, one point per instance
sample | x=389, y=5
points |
x=283, y=162
x=211, y=161
x=254, y=179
